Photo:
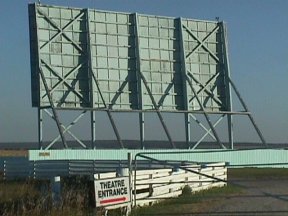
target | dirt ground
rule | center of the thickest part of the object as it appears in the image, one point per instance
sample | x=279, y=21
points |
x=267, y=196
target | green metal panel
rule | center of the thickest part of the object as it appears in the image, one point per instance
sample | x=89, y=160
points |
x=160, y=61
x=69, y=43
x=58, y=48
x=113, y=59
x=203, y=49
x=242, y=158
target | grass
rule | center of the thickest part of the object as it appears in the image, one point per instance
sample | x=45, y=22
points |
x=258, y=173
x=34, y=197
x=19, y=197
x=196, y=202
x=186, y=202
x=14, y=190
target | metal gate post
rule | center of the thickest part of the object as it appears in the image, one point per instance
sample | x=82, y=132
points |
x=130, y=178
x=134, y=183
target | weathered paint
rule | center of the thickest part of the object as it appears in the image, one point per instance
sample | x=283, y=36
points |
x=93, y=59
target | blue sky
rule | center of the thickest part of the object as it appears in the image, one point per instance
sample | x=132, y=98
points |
x=258, y=48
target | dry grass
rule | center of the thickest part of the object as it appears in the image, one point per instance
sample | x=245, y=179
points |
x=34, y=198
x=13, y=153
x=15, y=190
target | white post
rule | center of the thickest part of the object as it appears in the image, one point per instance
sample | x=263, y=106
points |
x=56, y=190
x=123, y=172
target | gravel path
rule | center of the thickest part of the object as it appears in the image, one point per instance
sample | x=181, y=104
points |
x=259, y=197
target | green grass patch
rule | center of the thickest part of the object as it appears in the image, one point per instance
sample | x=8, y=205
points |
x=258, y=173
x=185, y=202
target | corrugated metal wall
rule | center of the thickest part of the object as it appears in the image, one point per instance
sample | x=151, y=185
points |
x=241, y=158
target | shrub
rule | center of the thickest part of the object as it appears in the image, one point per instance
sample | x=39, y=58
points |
x=186, y=191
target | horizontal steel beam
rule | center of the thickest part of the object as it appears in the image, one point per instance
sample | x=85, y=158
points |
x=153, y=110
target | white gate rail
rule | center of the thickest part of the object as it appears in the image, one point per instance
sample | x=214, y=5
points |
x=155, y=184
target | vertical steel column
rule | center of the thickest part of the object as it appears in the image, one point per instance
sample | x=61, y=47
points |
x=40, y=113
x=90, y=72
x=142, y=129
x=139, y=86
x=93, y=129
x=184, y=83
x=227, y=75
x=40, y=128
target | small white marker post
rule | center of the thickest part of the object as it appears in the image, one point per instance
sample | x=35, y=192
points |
x=56, y=190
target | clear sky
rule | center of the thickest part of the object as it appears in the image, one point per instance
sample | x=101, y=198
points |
x=258, y=48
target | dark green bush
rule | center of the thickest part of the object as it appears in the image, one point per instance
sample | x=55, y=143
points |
x=186, y=191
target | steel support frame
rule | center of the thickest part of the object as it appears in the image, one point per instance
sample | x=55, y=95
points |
x=92, y=76
x=208, y=131
x=186, y=75
x=67, y=129
x=62, y=80
x=140, y=77
x=249, y=114
x=108, y=110
x=229, y=85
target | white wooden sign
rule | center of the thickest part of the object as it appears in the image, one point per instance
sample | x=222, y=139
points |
x=112, y=191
